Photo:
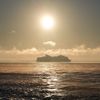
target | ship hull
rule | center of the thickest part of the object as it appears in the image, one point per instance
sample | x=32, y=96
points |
x=53, y=59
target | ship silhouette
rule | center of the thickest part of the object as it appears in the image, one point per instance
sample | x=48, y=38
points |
x=48, y=58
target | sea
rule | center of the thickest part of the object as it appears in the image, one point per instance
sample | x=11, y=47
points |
x=49, y=81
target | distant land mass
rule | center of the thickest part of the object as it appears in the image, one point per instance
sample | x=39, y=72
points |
x=48, y=58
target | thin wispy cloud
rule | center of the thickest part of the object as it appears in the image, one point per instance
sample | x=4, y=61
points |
x=13, y=31
x=50, y=43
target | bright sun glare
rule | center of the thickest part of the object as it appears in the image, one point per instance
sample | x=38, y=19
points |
x=47, y=22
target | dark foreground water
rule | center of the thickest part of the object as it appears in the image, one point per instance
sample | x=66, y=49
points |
x=50, y=81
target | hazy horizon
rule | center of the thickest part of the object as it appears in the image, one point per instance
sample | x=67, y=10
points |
x=74, y=32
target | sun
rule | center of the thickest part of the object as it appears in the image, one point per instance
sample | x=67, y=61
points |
x=47, y=22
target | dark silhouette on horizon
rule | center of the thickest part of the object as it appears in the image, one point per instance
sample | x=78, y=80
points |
x=48, y=58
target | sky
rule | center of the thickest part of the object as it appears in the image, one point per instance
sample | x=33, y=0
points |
x=75, y=34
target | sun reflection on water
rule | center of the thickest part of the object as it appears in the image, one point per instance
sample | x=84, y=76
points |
x=52, y=79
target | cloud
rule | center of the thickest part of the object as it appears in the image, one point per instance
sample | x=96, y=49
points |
x=79, y=53
x=13, y=31
x=15, y=54
x=50, y=43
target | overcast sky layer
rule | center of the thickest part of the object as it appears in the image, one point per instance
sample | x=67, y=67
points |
x=77, y=23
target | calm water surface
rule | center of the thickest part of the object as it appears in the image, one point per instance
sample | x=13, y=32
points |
x=50, y=81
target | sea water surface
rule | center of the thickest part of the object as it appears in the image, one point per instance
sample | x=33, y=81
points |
x=50, y=81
